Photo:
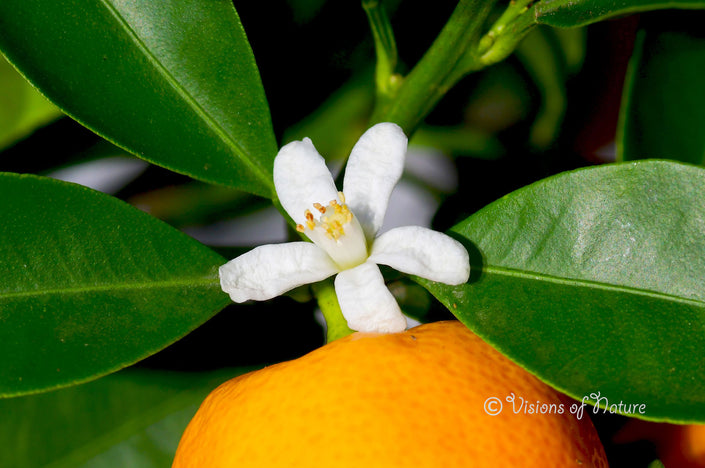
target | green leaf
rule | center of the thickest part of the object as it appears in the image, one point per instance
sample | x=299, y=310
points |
x=173, y=82
x=22, y=108
x=593, y=280
x=132, y=418
x=663, y=111
x=572, y=13
x=91, y=284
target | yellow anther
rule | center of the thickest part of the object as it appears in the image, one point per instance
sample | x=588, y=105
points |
x=332, y=221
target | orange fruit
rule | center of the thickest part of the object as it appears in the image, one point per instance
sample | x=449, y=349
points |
x=678, y=446
x=411, y=399
x=682, y=446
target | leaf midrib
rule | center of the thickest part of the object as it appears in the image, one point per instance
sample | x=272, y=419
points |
x=186, y=282
x=240, y=151
x=583, y=283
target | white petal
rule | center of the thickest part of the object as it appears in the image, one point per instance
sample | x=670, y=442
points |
x=271, y=270
x=374, y=168
x=301, y=179
x=423, y=252
x=365, y=301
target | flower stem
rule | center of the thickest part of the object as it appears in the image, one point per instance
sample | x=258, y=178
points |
x=337, y=326
x=385, y=48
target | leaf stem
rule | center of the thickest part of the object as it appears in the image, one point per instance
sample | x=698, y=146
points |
x=328, y=302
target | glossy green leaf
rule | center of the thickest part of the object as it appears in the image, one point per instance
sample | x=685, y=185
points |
x=593, y=280
x=132, y=418
x=22, y=108
x=663, y=111
x=173, y=82
x=572, y=13
x=91, y=284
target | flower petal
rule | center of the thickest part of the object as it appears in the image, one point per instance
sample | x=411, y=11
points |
x=419, y=251
x=375, y=166
x=271, y=270
x=365, y=301
x=301, y=179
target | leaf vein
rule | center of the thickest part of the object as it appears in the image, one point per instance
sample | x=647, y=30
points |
x=539, y=276
x=182, y=283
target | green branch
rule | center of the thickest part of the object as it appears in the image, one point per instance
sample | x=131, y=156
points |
x=432, y=77
x=459, y=49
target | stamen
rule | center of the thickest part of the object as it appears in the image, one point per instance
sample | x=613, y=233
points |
x=335, y=229
x=334, y=218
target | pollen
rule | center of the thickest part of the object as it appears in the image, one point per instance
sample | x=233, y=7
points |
x=334, y=217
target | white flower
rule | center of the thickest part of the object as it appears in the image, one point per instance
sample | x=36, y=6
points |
x=343, y=229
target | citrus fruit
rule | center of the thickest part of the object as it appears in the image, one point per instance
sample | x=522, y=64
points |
x=682, y=446
x=414, y=399
x=677, y=446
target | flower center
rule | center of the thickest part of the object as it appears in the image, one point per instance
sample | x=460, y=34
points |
x=337, y=231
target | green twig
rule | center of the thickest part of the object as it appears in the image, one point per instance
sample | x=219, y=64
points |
x=428, y=81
